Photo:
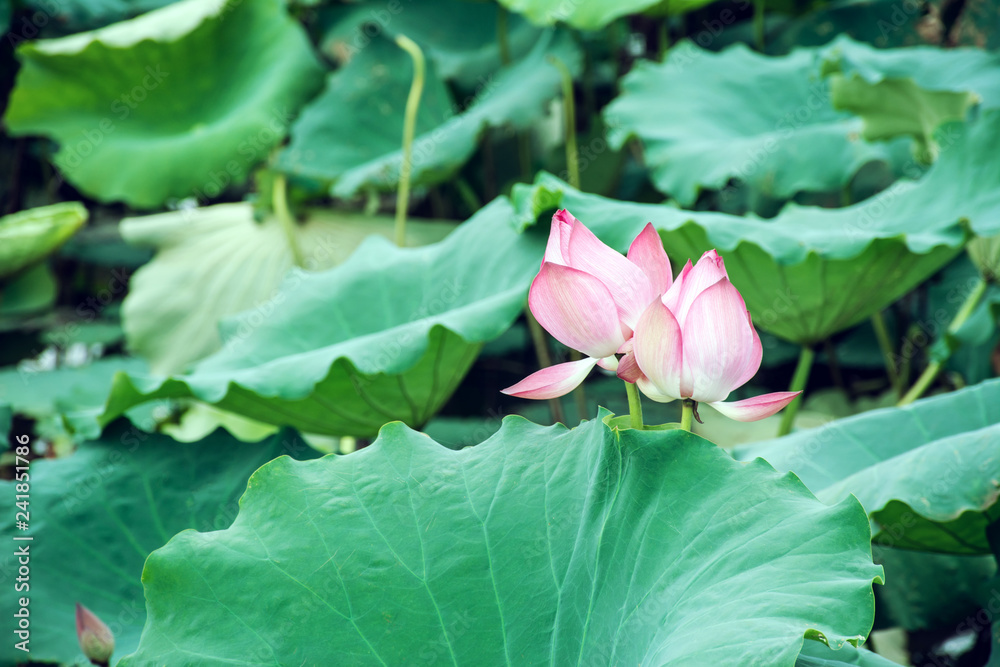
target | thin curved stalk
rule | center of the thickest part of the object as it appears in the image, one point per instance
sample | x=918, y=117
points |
x=279, y=200
x=799, y=380
x=932, y=370
x=888, y=351
x=409, y=129
x=572, y=161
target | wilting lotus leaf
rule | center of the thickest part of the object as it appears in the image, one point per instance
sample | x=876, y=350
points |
x=540, y=546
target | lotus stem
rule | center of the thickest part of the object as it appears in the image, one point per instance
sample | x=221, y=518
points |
x=634, y=406
x=687, y=413
x=279, y=201
x=572, y=163
x=932, y=370
x=579, y=394
x=544, y=361
x=409, y=128
x=467, y=194
x=758, y=24
x=502, y=35
x=806, y=357
x=888, y=351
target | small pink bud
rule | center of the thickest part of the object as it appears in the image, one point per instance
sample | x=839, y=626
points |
x=95, y=638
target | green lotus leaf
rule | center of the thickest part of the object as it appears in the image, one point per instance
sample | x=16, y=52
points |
x=581, y=14
x=218, y=261
x=929, y=459
x=352, y=133
x=539, y=546
x=97, y=514
x=461, y=38
x=386, y=335
x=928, y=473
x=791, y=133
x=799, y=273
x=32, y=235
x=140, y=118
x=765, y=121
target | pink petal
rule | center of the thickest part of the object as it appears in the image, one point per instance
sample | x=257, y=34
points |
x=648, y=254
x=577, y=309
x=553, y=381
x=758, y=407
x=658, y=349
x=751, y=361
x=719, y=343
x=631, y=290
x=709, y=270
x=558, y=244
x=628, y=370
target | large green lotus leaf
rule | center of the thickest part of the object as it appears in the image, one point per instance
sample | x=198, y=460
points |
x=97, y=514
x=928, y=473
x=352, y=133
x=386, y=335
x=541, y=545
x=218, y=261
x=581, y=14
x=36, y=233
x=799, y=273
x=766, y=121
x=178, y=102
x=460, y=37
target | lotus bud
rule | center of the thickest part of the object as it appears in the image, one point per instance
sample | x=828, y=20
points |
x=95, y=638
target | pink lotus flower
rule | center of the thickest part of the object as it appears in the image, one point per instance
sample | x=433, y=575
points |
x=590, y=298
x=698, y=342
